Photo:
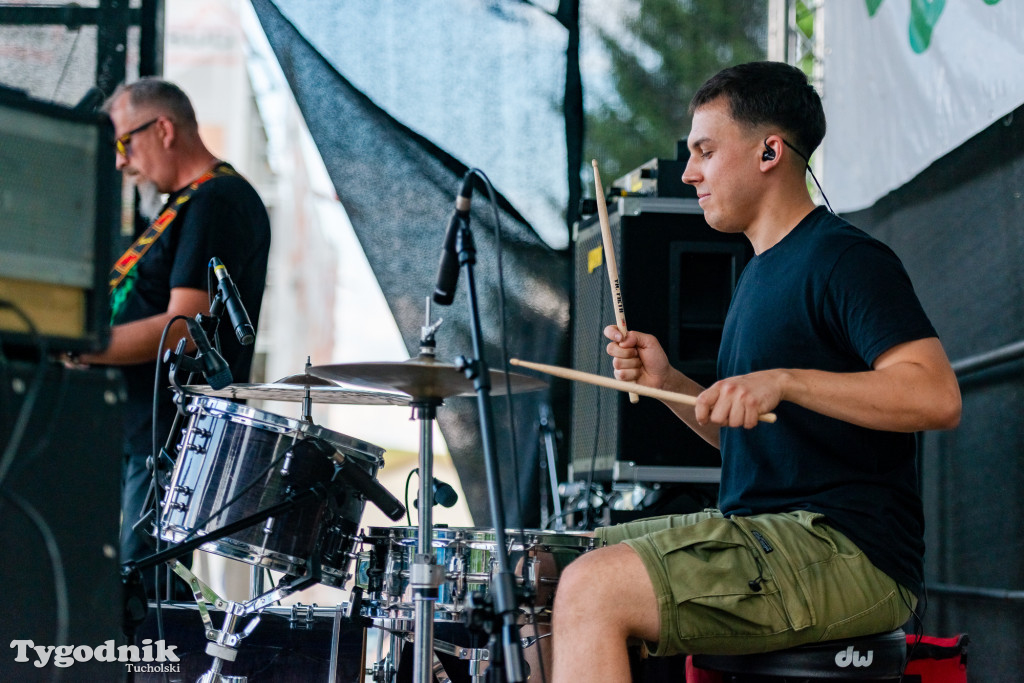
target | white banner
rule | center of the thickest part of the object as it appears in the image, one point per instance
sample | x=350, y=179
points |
x=906, y=81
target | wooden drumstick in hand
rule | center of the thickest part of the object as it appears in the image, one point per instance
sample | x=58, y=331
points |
x=609, y=258
x=617, y=384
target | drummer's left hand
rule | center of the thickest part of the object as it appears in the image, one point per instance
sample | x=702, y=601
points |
x=739, y=401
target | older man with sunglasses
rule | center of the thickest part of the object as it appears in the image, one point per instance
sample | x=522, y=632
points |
x=209, y=211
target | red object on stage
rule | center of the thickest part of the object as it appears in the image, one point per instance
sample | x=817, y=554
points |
x=936, y=660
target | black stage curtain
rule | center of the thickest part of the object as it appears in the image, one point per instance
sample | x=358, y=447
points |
x=398, y=189
x=957, y=227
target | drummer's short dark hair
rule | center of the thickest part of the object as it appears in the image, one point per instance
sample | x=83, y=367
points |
x=166, y=97
x=769, y=93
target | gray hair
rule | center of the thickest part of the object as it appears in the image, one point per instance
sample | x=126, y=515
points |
x=164, y=96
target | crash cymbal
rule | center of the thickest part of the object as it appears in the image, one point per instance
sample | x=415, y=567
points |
x=423, y=377
x=317, y=394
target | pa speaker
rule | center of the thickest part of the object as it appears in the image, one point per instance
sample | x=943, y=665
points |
x=59, y=517
x=676, y=276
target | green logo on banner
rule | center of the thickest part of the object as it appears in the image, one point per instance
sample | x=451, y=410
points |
x=924, y=14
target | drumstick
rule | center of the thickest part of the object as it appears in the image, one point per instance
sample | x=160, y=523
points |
x=617, y=384
x=609, y=257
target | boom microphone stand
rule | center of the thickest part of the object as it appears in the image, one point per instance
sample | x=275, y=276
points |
x=508, y=648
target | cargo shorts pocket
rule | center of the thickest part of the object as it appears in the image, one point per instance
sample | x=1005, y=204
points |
x=721, y=587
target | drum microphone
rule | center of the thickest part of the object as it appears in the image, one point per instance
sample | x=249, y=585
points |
x=369, y=487
x=448, y=266
x=233, y=302
x=215, y=368
x=444, y=495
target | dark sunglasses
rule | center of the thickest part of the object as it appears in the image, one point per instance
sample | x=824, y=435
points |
x=121, y=143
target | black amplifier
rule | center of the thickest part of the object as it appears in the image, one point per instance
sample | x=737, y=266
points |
x=677, y=276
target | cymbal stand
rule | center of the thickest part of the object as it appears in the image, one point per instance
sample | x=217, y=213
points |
x=425, y=575
x=548, y=433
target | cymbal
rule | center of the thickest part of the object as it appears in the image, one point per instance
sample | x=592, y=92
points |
x=306, y=380
x=423, y=377
x=317, y=394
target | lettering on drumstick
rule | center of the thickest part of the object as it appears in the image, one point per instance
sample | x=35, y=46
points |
x=620, y=309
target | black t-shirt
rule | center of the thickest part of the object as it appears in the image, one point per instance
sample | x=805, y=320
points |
x=827, y=297
x=224, y=217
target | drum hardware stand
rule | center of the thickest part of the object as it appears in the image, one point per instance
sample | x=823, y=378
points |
x=507, y=649
x=224, y=642
x=425, y=575
x=548, y=434
x=478, y=657
x=307, y=401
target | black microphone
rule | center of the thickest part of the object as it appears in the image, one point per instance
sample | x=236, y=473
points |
x=444, y=494
x=233, y=302
x=369, y=487
x=215, y=368
x=448, y=267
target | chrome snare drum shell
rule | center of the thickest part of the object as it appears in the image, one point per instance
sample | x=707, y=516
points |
x=228, y=467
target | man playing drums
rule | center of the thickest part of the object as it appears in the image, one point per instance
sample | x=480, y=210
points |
x=818, y=535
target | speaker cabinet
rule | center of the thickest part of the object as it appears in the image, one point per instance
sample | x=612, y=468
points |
x=59, y=212
x=60, y=507
x=677, y=276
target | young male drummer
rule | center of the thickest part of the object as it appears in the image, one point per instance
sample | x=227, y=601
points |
x=819, y=533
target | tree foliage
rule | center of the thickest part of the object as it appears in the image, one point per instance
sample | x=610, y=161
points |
x=659, y=58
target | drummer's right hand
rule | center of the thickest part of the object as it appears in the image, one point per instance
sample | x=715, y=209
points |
x=637, y=357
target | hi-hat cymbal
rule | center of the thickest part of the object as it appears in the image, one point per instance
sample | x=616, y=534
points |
x=317, y=394
x=306, y=380
x=422, y=377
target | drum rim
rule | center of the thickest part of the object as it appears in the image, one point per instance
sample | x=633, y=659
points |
x=216, y=406
x=480, y=534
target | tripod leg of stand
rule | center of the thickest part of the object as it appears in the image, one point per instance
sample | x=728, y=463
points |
x=438, y=673
x=202, y=593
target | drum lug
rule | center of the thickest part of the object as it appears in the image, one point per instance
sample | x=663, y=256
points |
x=457, y=570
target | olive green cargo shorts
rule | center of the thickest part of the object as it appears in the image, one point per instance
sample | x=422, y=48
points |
x=752, y=584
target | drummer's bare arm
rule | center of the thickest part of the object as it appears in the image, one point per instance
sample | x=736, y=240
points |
x=911, y=387
x=136, y=342
x=639, y=358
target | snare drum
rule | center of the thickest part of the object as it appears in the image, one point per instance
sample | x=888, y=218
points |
x=469, y=560
x=229, y=466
